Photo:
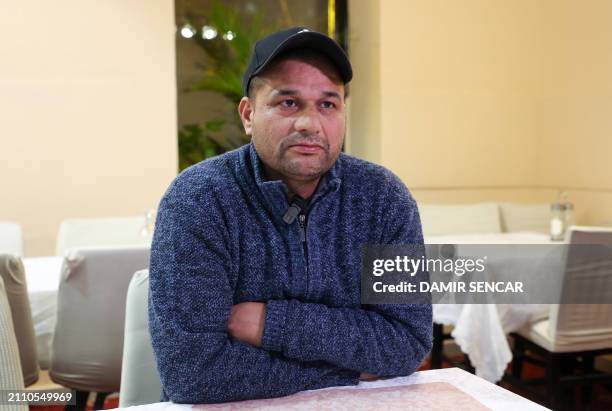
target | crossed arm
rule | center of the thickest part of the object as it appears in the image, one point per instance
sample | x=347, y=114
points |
x=383, y=340
x=246, y=323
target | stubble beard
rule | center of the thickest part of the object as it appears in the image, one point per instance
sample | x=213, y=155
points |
x=296, y=168
x=304, y=166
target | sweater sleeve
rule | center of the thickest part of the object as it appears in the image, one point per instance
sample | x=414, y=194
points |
x=384, y=339
x=189, y=306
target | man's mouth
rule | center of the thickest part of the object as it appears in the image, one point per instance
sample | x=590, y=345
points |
x=306, y=148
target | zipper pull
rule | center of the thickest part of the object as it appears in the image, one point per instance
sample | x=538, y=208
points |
x=298, y=205
x=302, y=223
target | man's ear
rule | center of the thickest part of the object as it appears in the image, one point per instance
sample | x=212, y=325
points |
x=245, y=110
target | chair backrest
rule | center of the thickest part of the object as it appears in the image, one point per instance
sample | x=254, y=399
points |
x=13, y=275
x=11, y=238
x=88, y=339
x=140, y=383
x=588, y=275
x=11, y=377
x=101, y=232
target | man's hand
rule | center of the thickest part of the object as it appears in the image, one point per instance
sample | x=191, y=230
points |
x=364, y=376
x=246, y=322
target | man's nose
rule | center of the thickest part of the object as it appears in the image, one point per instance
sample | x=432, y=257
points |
x=307, y=121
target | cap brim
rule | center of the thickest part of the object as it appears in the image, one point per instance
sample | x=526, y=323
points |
x=318, y=42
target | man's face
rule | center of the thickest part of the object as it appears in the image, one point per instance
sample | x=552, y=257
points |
x=296, y=118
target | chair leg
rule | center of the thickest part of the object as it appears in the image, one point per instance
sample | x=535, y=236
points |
x=468, y=364
x=553, y=383
x=436, y=351
x=81, y=402
x=100, y=398
x=588, y=367
x=517, y=358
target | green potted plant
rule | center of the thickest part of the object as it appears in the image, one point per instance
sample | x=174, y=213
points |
x=228, y=53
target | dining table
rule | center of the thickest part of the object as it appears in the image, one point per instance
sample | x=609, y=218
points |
x=431, y=390
x=480, y=330
x=43, y=279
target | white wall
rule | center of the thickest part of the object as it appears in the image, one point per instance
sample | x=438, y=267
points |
x=88, y=107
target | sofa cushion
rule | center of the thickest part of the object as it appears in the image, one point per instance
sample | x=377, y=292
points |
x=444, y=219
x=525, y=217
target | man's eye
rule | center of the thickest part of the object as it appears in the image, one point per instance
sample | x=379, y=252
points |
x=288, y=103
x=328, y=104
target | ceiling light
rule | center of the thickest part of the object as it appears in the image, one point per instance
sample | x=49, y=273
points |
x=230, y=35
x=209, y=32
x=188, y=31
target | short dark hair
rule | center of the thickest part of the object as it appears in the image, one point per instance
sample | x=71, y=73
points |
x=303, y=54
x=254, y=85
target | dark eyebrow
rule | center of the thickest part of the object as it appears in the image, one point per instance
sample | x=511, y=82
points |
x=331, y=94
x=293, y=92
x=285, y=92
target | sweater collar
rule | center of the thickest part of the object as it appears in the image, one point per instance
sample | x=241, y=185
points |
x=275, y=191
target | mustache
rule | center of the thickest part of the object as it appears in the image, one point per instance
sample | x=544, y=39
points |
x=295, y=139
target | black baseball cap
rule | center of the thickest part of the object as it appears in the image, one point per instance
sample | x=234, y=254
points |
x=269, y=47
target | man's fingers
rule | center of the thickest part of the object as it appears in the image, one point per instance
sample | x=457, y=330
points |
x=246, y=322
x=364, y=376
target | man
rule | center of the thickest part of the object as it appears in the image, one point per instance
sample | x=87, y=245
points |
x=255, y=264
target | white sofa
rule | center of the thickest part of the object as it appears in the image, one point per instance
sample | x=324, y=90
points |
x=483, y=218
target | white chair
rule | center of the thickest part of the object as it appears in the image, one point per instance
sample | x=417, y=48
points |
x=574, y=333
x=11, y=377
x=88, y=339
x=140, y=383
x=11, y=238
x=13, y=275
x=102, y=232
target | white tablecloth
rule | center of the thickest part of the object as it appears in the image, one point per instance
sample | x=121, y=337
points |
x=493, y=238
x=43, y=278
x=482, y=393
x=480, y=329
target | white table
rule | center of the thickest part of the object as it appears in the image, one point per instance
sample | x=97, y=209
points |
x=480, y=329
x=444, y=389
x=43, y=278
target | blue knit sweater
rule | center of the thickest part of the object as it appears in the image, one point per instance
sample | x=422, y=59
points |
x=220, y=240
